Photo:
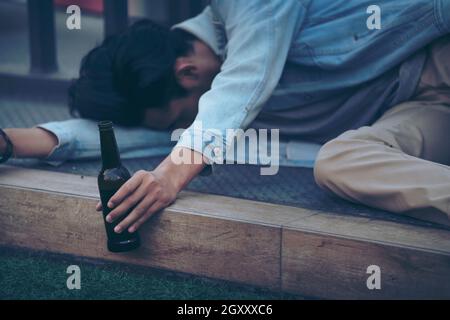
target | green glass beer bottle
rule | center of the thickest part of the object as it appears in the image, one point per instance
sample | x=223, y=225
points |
x=111, y=177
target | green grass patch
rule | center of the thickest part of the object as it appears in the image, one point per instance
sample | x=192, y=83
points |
x=36, y=276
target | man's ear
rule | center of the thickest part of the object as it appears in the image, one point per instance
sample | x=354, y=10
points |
x=186, y=73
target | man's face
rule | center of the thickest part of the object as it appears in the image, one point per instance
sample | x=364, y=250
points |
x=194, y=73
x=178, y=113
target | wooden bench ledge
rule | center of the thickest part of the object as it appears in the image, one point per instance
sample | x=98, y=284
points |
x=302, y=251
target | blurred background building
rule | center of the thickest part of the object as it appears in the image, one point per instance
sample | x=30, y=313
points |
x=39, y=55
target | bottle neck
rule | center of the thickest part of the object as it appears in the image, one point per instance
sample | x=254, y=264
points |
x=110, y=151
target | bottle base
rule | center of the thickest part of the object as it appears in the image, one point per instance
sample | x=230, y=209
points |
x=124, y=246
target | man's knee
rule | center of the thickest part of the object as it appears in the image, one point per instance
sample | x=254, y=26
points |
x=327, y=164
x=334, y=163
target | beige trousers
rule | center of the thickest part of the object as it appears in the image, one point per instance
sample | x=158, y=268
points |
x=402, y=162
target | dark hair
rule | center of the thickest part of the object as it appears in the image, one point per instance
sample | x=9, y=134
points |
x=128, y=73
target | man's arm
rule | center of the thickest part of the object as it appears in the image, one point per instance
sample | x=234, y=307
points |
x=258, y=39
x=30, y=143
x=259, y=36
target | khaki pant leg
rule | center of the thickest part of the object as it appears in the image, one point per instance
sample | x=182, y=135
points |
x=400, y=164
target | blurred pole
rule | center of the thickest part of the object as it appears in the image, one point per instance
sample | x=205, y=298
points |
x=115, y=14
x=41, y=28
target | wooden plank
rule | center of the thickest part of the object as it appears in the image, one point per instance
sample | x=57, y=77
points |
x=189, y=243
x=187, y=202
x=336, y=268
x=376, y=231
x=307, y=252
x=49, y=181
x=414, y=261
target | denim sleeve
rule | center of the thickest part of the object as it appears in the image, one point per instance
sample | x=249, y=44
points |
x=258, y=38
x=79, y=139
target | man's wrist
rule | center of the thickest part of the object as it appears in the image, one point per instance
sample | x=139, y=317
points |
x=180, y=174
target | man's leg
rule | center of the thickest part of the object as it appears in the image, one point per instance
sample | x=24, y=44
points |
x=400, y=164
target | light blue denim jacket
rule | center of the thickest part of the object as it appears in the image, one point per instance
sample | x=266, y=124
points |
x=328, y=42
x=327, y=39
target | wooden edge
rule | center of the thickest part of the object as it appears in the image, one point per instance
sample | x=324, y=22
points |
x=232, y=239
x=255, y=212
x=338, y=268
x=196, y=244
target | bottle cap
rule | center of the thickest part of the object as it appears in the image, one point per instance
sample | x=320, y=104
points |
x=105, y=125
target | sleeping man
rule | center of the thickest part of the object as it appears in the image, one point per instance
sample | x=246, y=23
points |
x=378, y=100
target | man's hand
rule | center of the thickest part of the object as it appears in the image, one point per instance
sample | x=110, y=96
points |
x=150, y=192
